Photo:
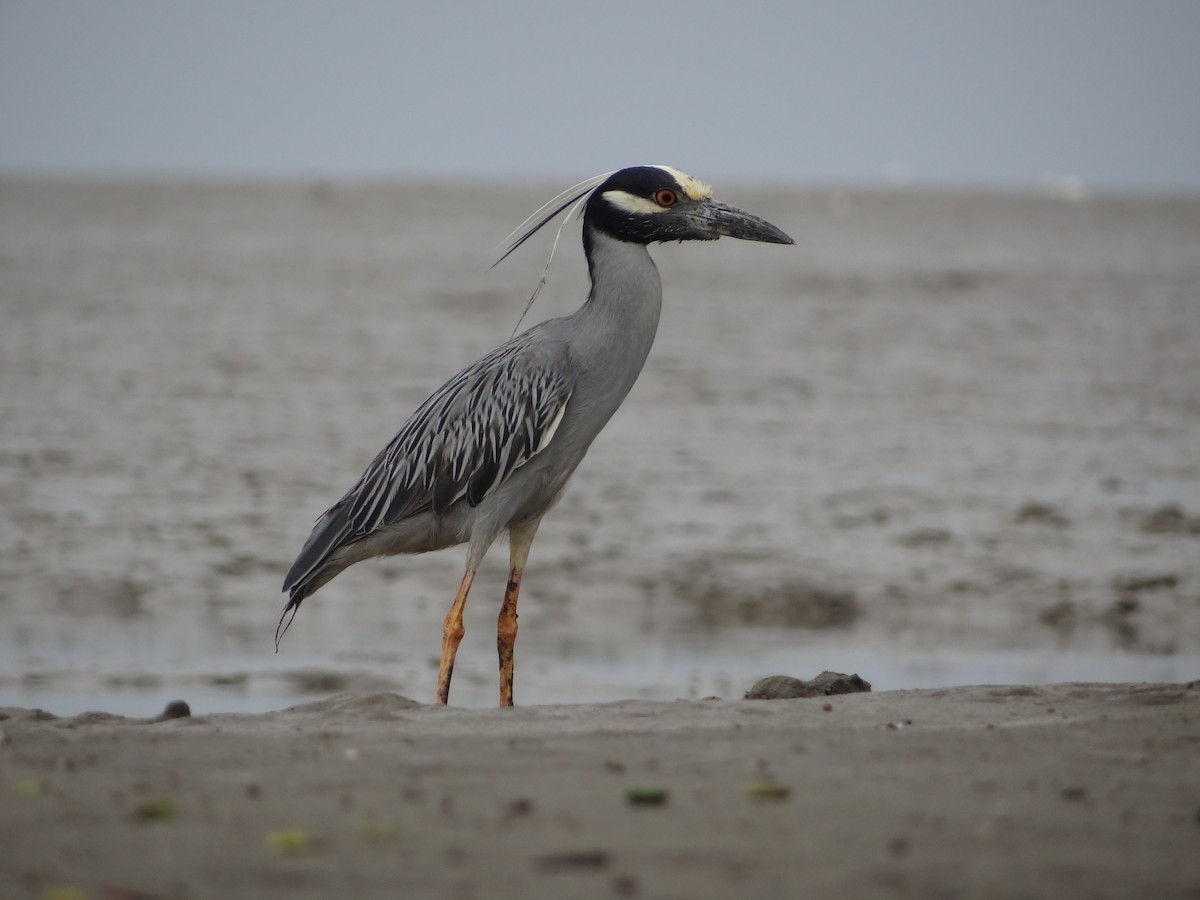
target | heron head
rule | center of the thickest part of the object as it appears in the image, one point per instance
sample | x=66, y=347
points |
x=646, y=204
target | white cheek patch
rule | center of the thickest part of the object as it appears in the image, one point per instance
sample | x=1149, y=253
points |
x=632, y=203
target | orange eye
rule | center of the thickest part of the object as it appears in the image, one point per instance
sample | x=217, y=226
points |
x=665, y=197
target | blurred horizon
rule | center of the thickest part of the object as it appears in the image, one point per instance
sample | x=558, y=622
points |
x=1064, y=96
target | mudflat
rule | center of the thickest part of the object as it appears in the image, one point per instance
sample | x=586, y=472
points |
x=948, y=438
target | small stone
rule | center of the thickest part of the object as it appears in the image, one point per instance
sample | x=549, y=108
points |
x=518, y=808
x=176, y=709
x=827, y=684
x=573, y=861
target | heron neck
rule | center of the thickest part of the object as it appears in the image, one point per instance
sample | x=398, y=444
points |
x=626, y=291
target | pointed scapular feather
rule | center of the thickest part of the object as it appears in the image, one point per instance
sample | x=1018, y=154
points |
x=462, y=442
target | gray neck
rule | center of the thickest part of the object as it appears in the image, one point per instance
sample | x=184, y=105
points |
x=615, y=328
x=625, y=300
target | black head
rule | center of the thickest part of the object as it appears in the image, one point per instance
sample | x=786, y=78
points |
x=645, y=204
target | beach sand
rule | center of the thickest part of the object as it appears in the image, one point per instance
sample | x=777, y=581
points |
x=949, y=438
x=1077, y=790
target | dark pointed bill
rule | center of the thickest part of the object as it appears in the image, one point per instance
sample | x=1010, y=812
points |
x=728, y=221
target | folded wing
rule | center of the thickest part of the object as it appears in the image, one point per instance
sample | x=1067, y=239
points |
x=461, y=444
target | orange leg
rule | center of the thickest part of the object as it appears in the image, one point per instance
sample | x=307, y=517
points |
x=520, y=537
x=452, y=633
x=506, y=636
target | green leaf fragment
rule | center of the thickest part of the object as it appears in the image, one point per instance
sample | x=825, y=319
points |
x=647, y=795
x=289, y=842
x=160, y=809
x=767, y=790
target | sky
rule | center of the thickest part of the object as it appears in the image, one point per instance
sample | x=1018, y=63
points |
x=963, y=93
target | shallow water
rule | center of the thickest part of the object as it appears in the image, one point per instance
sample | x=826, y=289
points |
x=948, y=438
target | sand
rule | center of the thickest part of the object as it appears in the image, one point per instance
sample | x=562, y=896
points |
x=947, y=439
x=1075, y=790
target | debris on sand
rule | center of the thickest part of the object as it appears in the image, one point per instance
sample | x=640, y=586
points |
x=785, y=687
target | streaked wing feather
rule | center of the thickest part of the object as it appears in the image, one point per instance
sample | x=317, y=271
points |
x=468, y=437
x=464, y=441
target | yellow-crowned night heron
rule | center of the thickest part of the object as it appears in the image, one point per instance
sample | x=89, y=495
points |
x=493, y=448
